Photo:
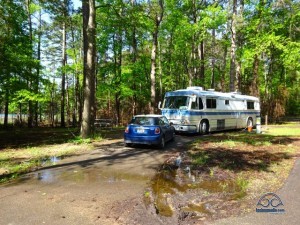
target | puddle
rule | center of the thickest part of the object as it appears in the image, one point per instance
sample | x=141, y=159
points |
x=173, y=189
x=85, y=175
x=53, y=160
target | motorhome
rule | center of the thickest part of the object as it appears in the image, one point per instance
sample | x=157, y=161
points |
x=195, y=110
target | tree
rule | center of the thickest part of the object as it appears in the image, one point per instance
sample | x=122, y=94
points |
x=144, y=48
x=16, y=58
x=89, y=68
x=157, y=12
x=233, y=46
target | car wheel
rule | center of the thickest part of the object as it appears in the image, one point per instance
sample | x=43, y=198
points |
x=173, y=137
x=162, y=142
x=128, y=145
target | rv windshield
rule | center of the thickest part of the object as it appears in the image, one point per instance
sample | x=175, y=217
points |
x=176, y=102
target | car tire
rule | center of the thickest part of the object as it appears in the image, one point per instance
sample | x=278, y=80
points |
x=128, y=145
x=173, y=136
x=162, y=142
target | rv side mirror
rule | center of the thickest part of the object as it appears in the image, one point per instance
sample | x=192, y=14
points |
x=159, y=105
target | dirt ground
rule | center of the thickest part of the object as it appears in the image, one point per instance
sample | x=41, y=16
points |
x=228, y=184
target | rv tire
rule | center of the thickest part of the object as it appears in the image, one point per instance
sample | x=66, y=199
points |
x=203, y=129
x=250, y=122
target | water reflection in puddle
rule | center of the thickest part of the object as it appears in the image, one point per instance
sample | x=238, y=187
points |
x=175, y=185
x=86, y=175
x=52, y=160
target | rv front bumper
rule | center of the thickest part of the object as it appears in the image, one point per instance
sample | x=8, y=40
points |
x=185, y=128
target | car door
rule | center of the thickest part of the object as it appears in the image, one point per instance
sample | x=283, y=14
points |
x=167, y=128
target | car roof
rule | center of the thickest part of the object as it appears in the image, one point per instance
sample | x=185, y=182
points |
x=149, y=115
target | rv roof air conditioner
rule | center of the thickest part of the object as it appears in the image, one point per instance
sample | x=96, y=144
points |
x=195, y=88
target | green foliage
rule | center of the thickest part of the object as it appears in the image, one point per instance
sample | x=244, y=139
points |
x=266, y=31
x=242, y=183
x=79, y=140
x=24, y=95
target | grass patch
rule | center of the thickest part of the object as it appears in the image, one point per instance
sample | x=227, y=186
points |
x=24, y=150
x=284, y=130
x=21, y=160
x=79, y=140
x=242, y=183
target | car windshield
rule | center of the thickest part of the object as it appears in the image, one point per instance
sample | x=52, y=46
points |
x=144, y=121
x=176, y=102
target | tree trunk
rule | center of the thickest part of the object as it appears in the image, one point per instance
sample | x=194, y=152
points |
x=21, y=114
x=6, y=108
x=160, y=72
x=157, y=21
x=117, y=47
x=238, y=76
x=36, y=116
x=212, y=84
x=29, y=82
x=89, y=46
x=254, y=84
x=134, y=59
x=68, y=103
x=239, y=36
x=52, y=111
x=153, y=70
x=64, y=63
x=77, y=107
x=78, y=98
x=233, y=47
x=223, y=70
x=202, y=63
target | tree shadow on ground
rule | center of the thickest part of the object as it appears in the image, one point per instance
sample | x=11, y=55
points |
x=242, y=151
x=249, y=138
x=236, y=160
x=33, y=137
x=25, y=137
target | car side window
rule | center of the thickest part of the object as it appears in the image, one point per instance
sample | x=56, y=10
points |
x=165, y=120
x=161, y=122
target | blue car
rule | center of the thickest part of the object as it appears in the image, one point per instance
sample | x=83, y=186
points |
x=150, y=130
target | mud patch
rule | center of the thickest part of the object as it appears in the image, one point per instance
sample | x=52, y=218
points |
x=192, y=196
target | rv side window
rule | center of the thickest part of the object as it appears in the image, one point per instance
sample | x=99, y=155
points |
x=211, y=103
x=195, y=104
x=226, y=102
x=200, y=103
x=250, y=105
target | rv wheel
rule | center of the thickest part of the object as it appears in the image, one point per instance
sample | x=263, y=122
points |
x=203, y=127
x=250, y=122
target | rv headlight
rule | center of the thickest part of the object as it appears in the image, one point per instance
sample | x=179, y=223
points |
x=184, y=121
